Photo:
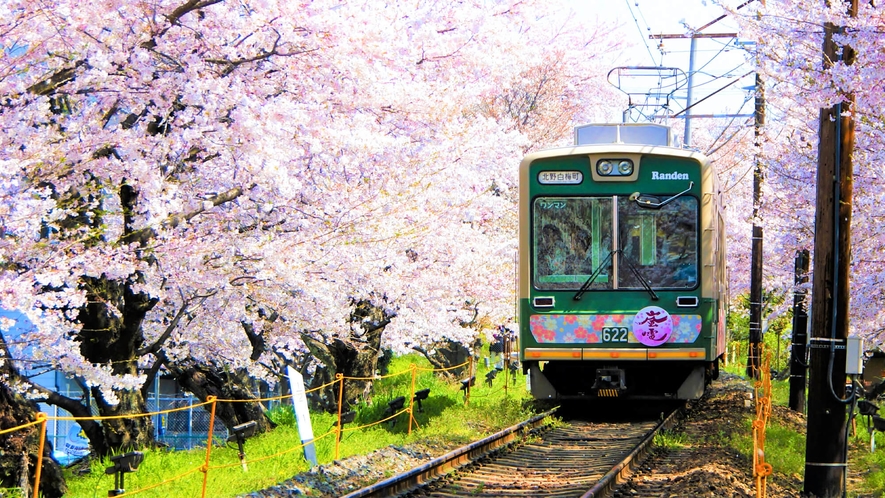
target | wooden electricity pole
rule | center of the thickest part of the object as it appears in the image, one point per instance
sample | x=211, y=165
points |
x=798, y=355
x=754, y=351
x=754, y=341
x=826, y=453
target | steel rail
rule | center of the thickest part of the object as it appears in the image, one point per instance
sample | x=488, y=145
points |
x=614, y=476
x=438, y=466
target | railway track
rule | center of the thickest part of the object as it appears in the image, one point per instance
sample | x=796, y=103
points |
x=573, y=458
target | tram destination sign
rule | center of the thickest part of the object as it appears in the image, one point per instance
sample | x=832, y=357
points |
x=560, y=177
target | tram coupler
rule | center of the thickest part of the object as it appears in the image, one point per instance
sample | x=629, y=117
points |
x=609, y=382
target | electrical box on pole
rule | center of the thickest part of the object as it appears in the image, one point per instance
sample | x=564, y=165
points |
x=854, y=356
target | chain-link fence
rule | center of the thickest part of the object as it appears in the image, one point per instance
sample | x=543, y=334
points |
x=186, y=428
x=182, y=429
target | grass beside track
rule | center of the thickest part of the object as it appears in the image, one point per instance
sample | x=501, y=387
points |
x=785, y=446
x=444, y=422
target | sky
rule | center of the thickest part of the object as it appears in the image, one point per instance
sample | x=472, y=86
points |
x=718, y=61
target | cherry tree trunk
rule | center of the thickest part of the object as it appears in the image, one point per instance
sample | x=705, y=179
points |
x=207, y=380
x=447, y=354
x=355, y=356
x=126, y=433
x=19, y=449
x=114, y=338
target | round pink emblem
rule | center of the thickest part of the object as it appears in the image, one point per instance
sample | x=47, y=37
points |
x=652, y=326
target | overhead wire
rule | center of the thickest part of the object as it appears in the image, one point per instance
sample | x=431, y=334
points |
x=711, y=150
x=641, y=34
x=714, y=57
x=727, y=74
x=714, y=93
x=637, y=15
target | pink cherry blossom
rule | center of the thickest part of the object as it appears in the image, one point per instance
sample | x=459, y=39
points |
x=285, y=156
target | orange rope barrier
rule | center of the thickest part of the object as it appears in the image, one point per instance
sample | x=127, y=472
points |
x=20, y=427
x=414, y=370
x=762, y=392
x=340, y=378
x=423, y=369
x=280, y=453
x=327, y=384
x=134, y=415
x=41, y=417
x=276, y=398
x=219, y=400
x=471, y=374
x=488, y=394
x=378, y=377
x=205, y=468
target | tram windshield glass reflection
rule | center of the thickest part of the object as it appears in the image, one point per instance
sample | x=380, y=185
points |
x=573, y=236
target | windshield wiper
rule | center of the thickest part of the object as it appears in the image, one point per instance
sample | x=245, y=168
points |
x=645, y=283
x=584, y=288
x=653, y=202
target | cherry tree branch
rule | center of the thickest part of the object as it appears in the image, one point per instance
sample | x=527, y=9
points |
x=146, y=234
x=182, y=311
x=231, y=65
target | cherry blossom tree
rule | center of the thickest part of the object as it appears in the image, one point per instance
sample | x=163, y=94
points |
x=196, y=182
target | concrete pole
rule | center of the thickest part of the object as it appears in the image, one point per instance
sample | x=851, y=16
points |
x=689, y=99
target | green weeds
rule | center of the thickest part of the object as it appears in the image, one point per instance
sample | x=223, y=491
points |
x=670, y=440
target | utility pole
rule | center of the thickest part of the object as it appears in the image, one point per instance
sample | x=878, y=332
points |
x=754, y=351
x=691, y=62
x=686, y=136
x=826, y=462
x=798, y=358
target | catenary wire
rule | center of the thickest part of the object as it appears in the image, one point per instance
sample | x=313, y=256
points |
x=638, y=27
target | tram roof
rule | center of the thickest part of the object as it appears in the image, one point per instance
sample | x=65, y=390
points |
x=625, y=133
x=641, y=138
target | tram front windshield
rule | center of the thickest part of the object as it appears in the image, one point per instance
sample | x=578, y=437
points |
x=574, y=237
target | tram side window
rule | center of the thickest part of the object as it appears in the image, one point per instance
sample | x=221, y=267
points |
x=572, y=237
x=661, y=244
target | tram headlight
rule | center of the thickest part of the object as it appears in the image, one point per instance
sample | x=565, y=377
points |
x=615, y=167
x=604, y=168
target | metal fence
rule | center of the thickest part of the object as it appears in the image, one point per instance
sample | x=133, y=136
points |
x=185, y=428
x=182, y=429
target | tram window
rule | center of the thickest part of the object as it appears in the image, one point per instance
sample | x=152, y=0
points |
x=661, y=244
x=572, y=237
